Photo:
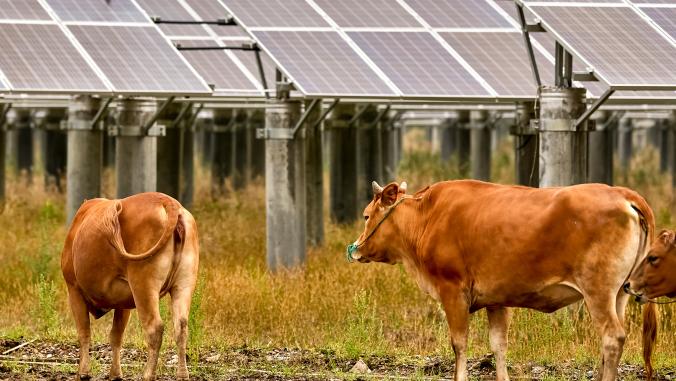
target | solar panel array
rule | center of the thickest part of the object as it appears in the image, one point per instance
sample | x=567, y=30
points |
x=230, y=72
x=624, y=50
x=392, y=48
x=89, y=46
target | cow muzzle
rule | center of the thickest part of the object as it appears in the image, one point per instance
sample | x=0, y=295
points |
x=638, y=296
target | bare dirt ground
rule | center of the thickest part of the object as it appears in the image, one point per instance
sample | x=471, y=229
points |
x=57, y=361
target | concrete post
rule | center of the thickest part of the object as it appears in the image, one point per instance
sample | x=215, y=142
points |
x=448, y=144
x=480, y=145
x=257, y=120
x=367, y=153
x=463, y=143
x=24, y=143
x=625, y=145
x=666, y=144
x=187, y=188
x=314, y=178
x=136, y=152
x=169, y=151
x=284, y=188
x=343, y=196
x=241, y=150
x=525, y=145
x=109, y=141
x=85, y=154
x=601, y=150
x=3, y=164
x=54, y=149
x=221, y=150
x=389, y=148
x=563, y=148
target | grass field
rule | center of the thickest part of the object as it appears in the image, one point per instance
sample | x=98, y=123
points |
x=347, y=311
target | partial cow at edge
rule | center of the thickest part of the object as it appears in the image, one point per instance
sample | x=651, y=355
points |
x=125, y=254
x=474, y=245
x=654, y=277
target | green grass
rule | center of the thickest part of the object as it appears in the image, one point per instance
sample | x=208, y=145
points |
x=351, y=310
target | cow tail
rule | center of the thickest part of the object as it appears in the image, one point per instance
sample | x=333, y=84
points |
x=113, y=220
x=649, y=337
x=179, y=243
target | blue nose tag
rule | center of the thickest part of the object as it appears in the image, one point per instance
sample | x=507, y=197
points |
x=351, y=249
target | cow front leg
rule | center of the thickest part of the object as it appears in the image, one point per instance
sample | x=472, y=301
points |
x=498, y=323
x=119, y=324
x=603, y=312
x=181, y=298
x=148, y=306
x=80, y=312
x=457, y=316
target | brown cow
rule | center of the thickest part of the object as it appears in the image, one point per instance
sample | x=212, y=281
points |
x=475, y=245
x=654, y=277
x=102, y=274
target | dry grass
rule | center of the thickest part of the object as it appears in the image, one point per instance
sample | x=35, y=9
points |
x=355, y=310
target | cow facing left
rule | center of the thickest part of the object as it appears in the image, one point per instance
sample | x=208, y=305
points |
x=125, y=254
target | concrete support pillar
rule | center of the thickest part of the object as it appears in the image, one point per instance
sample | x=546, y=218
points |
x=601, y=150
x=314, y=178
x=666, y=144
x=343, y=196
x=24, y=143
x=241, y=150
x=367, y=156
x=672, y=128
x=257, y=120
x=169, y=151
x=448, y=143
x=187, y=188
x=625, y=145
x=525, y=145
x=463, y=143
x=480, y=145
x=284, y=189
x=54, y=149
x=563, y=148
x=389, y=149
x=136, y=151
x=85, y=153
x=109, y=142
x=221, y=150
x=3, y=164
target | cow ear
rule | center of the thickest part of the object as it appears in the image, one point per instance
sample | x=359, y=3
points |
x=389, y=195
x=667, y=237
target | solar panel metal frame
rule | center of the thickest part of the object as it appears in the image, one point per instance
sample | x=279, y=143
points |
x=572, y=50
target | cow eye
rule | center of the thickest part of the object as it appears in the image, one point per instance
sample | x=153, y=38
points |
x=652, y=259
x=366, y=218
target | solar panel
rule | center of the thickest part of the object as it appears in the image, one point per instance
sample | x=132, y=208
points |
x=22, y=10
x=172, y=10
x=97, y=10
x=38, y=57
x=137, y=59
x=248, y=59
x=624, y=50
x=371, y=13
x=502, y=60
x=329, y=67
x=418, y=64
x=458, y=14
x=664, y=17
x=218, y=69
x=209, y=10
x=275, y=13
x=654, y=1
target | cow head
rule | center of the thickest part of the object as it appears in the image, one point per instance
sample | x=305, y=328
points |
x=378, y=241
x=655, y=275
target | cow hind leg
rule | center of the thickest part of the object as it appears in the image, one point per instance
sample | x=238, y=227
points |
x=498, y=323
x=78, y=307
x=147, y=302
x=119, y=324
x=606, y=321
x=180, y=311
x=457, y=316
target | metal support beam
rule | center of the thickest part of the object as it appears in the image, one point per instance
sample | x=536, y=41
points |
x=529, y=45
x=284, y=189
x=151, y=122
x=526, y=145
x=595, y=106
